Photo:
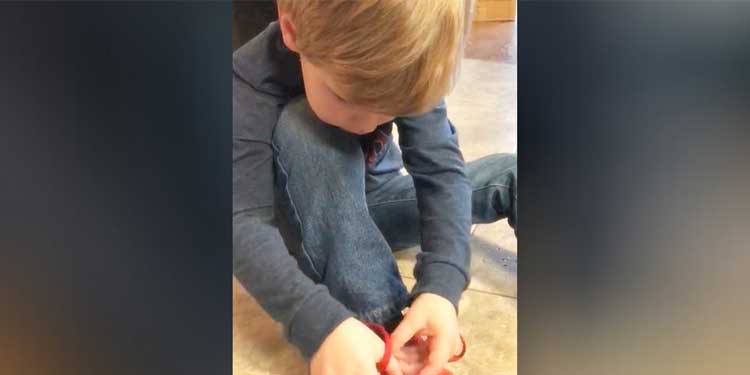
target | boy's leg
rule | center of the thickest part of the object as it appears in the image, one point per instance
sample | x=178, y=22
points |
x=393, y=206
x=320, y=180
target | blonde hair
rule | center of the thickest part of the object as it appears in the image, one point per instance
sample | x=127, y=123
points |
x=395, y=57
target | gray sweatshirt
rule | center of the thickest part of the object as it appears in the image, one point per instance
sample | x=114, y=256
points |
x=266, y=76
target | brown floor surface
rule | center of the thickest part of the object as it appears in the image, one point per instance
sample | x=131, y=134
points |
x=493, y=41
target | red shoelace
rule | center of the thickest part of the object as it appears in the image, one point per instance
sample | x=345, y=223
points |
x=386, y=337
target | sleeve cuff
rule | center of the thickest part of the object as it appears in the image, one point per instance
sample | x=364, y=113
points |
x=442, y=279
x=318, y=316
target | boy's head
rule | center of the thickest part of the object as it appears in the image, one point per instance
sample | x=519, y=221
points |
x=367, y=61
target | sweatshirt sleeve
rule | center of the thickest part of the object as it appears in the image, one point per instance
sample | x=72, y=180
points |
x=431, y=156
x=262, y=263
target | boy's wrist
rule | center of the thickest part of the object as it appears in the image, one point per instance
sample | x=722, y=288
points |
x=318, y=316
x=442, y=279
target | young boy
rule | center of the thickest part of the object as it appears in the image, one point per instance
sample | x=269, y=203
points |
x=319, y=200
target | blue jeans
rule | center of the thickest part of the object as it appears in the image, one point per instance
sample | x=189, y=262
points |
x=342, y=223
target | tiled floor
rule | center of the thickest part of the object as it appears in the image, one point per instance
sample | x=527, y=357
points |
x=483, y=108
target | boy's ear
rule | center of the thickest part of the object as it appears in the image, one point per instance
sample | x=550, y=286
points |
x=288, y=33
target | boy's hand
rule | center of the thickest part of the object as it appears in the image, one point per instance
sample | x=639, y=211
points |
x=435, y=317
x=352, y=348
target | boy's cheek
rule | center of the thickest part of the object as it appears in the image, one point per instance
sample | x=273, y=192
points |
x=321, y=111
x=330, y=117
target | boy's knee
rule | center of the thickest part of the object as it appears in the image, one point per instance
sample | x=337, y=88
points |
x=501, y=163
x=295, y=123
x=507, y=159
x=496, y=169
x=509, y=164
x=300, y=133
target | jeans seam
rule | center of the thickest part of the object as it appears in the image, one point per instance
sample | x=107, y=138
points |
x=391, y=201
x=294, y=211
x=412, y=199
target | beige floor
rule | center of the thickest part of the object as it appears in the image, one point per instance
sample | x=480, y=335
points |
x=483, y=108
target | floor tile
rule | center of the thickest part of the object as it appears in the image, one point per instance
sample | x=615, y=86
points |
x=483, y=108
x=489, y=325
x=499, y=233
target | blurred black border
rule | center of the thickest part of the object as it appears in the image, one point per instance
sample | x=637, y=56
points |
x=249, y=18
x=634, y=143
x=115, y=196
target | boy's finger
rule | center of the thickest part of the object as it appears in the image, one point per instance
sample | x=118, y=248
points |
x=404, y=332
x=440, y=352
x=411, y=353
x=411, y=368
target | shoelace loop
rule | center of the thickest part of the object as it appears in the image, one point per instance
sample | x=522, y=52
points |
x=386, y=337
